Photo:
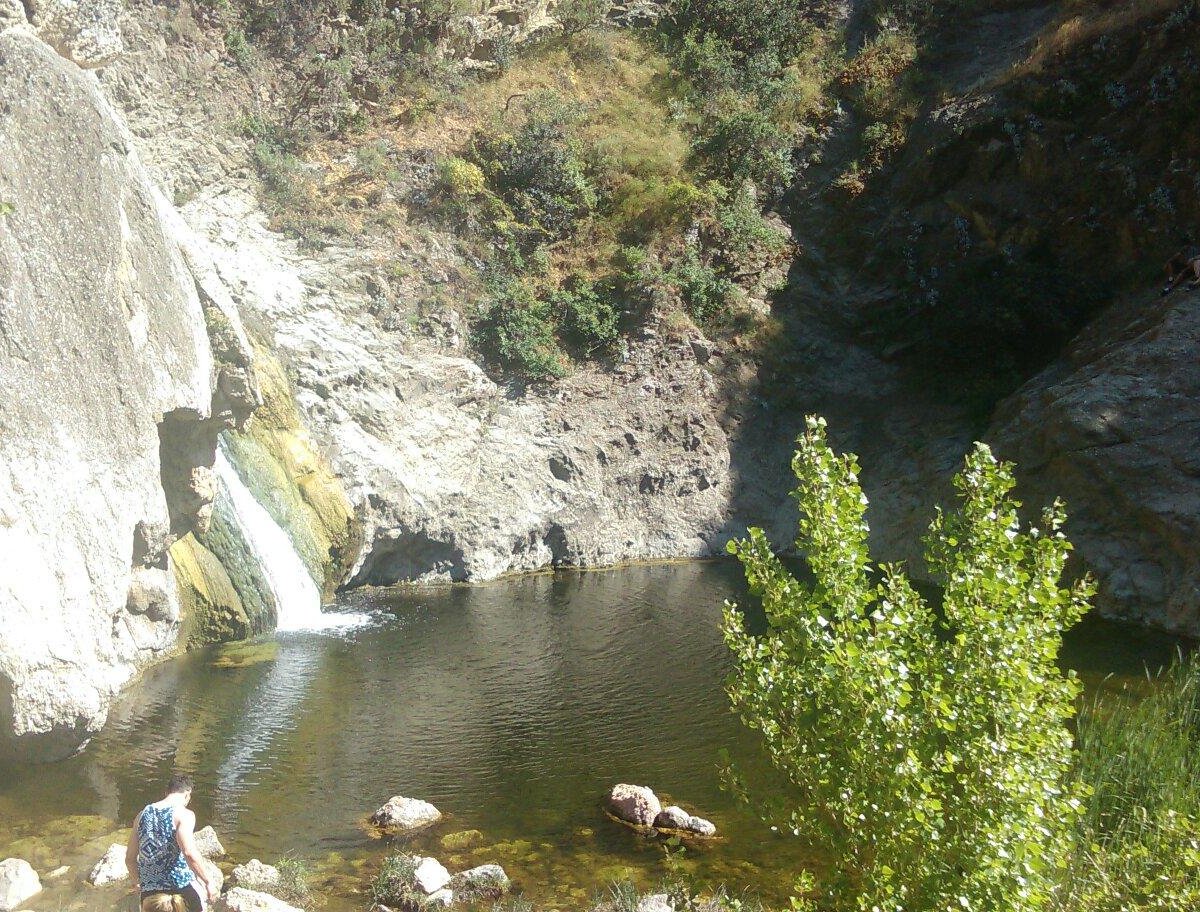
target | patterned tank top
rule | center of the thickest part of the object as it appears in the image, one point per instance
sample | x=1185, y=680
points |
x=161, y=866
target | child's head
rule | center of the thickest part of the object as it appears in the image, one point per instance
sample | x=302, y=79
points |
x=163, y=902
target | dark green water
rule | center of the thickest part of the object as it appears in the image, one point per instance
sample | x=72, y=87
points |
x=511, y=706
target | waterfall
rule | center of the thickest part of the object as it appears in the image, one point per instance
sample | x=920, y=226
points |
x=297, y=598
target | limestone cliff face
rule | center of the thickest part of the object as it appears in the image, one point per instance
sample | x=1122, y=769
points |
x=111, y=396
x=1112, y=429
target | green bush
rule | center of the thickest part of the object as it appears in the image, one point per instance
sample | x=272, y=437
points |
x=576, y=16
x=588, y=317
x=516, y=330
x=773, y=28
x=538, y=170
x=746, y=144
x=705, y=293
x=745, y=235
x=928, y=751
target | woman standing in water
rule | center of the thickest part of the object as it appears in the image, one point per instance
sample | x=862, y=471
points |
x=162, y=854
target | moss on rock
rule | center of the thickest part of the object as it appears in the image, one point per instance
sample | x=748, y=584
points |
x=279, y=461
x=212, y=609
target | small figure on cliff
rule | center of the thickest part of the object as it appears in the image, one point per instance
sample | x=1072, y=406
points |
x=163, y=857
x=1186, y=262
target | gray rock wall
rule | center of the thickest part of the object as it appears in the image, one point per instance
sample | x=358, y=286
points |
x=1113, y=428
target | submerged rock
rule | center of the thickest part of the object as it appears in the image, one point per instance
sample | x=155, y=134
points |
x=430, y=875
x=405, y=815
x=111, y=868
x=635, y=804
x=464, y=839
x=18, y=882
x=239, y=899
x=254, y=875
x=483, y=882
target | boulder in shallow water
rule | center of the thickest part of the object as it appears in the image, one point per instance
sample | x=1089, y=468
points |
x=239, y=899
x=484, y=882
x=430, y=875
x=634, y=804
x=18, y=882
x=207, y=843
x=254, y=875
x=405, y=815
x=441, y=899
x=111, y=868
x=701, y=827
x=672, y=818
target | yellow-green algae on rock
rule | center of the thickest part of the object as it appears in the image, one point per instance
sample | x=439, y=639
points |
x=280, y=463
x=212, y=610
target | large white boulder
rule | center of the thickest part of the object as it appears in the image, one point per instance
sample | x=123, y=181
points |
x=111, y=868
x=18, y=882
x=634, y=804
x=430, y=876
x=405, y=815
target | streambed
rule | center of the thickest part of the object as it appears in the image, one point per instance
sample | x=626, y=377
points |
x=512, y=706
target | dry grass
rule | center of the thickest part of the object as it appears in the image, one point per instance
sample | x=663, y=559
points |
x=1082, y=22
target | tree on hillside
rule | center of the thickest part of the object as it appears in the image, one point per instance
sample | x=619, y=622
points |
x=927, y=751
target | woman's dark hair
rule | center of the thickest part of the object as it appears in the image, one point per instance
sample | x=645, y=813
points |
x=179, y=783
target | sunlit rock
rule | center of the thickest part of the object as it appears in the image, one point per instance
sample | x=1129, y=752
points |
x=430, y=875
x=111, y=868
x=207, y=843
x=239, y=899
x=254, y=875
x=635, y=804
x=18, y=882
x=405, y=815
x=672, y=818
x=487, y=881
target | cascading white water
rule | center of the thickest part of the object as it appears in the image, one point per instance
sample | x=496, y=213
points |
x=297, y=598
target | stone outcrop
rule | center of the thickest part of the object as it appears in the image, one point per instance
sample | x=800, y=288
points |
x=208, y=844
x=488, y=881
x=1112, y=428
x=18, y=882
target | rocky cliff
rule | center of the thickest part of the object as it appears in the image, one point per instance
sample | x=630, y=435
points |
x=110, y=402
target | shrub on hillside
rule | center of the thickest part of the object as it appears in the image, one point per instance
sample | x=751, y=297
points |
x=516, y=330
x=538, y=169
x=588, y=316
x=746, y=144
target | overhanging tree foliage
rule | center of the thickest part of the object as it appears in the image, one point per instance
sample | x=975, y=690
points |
x=928, y=751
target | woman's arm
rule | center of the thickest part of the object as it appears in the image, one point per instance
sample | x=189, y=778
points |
x=187, y=845
x=131, y=851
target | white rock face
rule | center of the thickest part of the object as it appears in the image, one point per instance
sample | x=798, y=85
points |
x=84, y=31
x=442, y=898
x=111, y=868
x=102, y=334
x=405, y=815
x=18, y=882
x=240, y=899
x=430, y=875
x=634, y=804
